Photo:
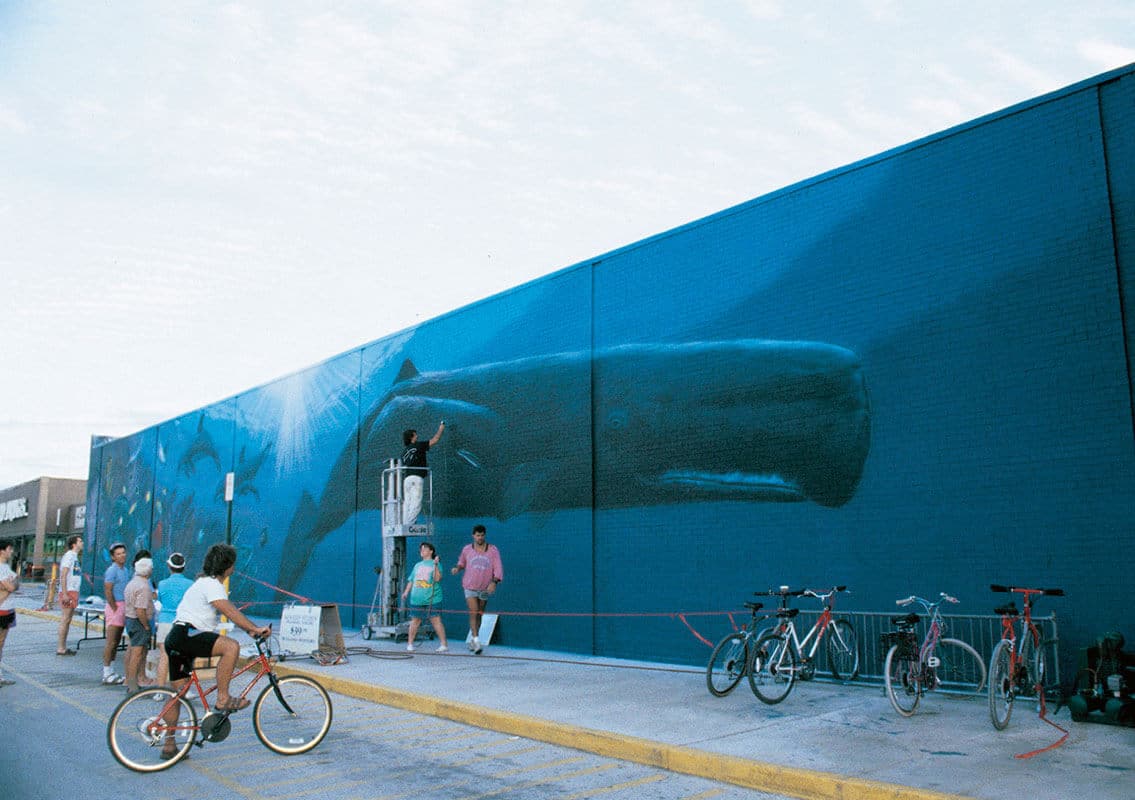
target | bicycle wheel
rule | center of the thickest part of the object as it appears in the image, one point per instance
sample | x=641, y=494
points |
x=843, y=651
x=727, y=664
x=901, y=676
x=772, y=668
x=1002, y=684
x=298, y=727
x=960, y=668
x=137, y=735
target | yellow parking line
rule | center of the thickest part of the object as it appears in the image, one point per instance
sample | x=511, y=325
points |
x=618, y=787
x=541, y=781
x=533, y=767
x=479, y=758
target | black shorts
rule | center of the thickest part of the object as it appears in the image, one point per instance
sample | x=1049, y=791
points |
x=7, y=620
x=184, y=644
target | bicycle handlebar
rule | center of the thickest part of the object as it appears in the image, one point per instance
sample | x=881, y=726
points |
x=997, y=587
x=945, y=598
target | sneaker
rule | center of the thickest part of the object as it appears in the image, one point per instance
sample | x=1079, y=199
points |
x=409, y=647
x=471, y=644
x=476, y=648
x=112, y=680
x=7, y=682
x=442, y=649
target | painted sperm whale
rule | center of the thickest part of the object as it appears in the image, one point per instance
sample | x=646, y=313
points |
x=633, y=425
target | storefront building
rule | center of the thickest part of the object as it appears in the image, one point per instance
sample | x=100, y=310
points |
x=38, y=516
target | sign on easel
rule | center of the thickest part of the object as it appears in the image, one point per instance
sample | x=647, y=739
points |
x=307, y=629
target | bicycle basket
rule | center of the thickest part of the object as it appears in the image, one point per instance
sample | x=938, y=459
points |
x=906, y=642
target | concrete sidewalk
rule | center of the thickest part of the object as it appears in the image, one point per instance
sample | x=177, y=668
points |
x=824, y=741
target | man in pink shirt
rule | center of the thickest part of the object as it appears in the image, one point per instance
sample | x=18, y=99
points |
x=483, y=571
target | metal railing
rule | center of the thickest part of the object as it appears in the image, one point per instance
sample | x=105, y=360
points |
x=980, y=631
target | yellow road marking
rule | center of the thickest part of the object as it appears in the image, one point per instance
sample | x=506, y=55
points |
x=541, y=781
x=618, y=787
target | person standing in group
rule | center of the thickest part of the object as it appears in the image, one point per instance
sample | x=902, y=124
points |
x=424, y=591
x=114, y=589
x=138, y=600
x=170, y=593
x=70, y=581
x=416, y=469
x=9, y=583
x=483, y=571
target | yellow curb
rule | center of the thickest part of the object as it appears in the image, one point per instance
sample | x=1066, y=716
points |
x=760, y=776
x=49, y=615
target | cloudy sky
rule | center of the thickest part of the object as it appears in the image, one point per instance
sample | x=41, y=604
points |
x=199, y=197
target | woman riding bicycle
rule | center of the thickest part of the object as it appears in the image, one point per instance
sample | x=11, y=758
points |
x=194, y=633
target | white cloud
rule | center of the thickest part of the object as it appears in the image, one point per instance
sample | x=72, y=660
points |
x=1105, y=54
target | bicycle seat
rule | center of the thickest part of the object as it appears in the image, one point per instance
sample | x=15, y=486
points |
x=907, y=619
x=754, y=606
x=788, y=613
x=1007, y=611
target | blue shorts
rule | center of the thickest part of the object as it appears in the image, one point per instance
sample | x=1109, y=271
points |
x=424, y=612
x=139, y=635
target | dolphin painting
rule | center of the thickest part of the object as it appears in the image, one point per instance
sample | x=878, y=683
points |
x=246, y=470
x=201, y=448
x=632, y=425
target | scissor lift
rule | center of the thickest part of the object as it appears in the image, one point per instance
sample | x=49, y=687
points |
x=395, y=531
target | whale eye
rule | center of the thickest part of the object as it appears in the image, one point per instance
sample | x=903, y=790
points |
x=617, y=420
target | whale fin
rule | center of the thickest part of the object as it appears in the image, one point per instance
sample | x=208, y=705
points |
x=407, y=371
x=300, y=542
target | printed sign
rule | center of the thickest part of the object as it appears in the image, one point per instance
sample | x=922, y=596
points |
x=14, y=509
x=299, y=629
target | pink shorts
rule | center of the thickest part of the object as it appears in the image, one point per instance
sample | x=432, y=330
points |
x=117, y=618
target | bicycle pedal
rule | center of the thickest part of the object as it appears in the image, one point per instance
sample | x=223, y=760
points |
x=934, y=662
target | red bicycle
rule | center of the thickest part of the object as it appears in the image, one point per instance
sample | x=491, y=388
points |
x=1019, y=665
x=153, y=729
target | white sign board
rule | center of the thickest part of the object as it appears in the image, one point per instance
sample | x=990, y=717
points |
x=299, y=629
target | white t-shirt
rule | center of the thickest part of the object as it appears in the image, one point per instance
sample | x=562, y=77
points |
x=196, y=608
x=7, y=574
x=69, y=573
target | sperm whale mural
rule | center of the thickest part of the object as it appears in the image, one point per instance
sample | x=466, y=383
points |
x=632, y=425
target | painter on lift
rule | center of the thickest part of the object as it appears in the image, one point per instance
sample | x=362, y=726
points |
x=416, y=469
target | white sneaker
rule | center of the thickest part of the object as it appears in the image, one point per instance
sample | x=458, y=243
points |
x=443, y=649
x=476, y=648
x=409, y=647
x=471, y=644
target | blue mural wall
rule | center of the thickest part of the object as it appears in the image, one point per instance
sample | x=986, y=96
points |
x=912, y=374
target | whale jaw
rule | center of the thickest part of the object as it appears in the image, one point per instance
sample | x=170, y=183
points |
x=739, y=485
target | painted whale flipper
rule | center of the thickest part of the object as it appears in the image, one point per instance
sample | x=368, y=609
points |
x=299, y=544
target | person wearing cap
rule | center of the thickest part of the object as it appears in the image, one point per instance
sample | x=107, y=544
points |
x=114, y=582
x=170, y=592
x=138, y=598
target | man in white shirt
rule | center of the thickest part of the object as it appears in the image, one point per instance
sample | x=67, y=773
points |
x=70, y=581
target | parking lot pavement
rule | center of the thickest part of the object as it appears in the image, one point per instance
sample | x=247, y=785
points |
x=824, y=741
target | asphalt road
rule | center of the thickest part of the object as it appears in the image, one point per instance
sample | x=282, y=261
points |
x=53, y=745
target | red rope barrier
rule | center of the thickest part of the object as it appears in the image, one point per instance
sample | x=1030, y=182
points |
x=1044, y=717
